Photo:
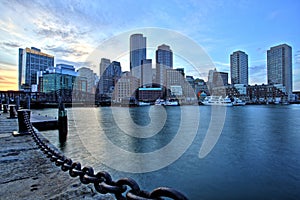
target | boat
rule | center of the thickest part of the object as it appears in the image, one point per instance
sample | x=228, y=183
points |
x=238, y=102
x=160, y=102
x=142, y=103
x=168, y=102
x=217, y=101
x=172, y=102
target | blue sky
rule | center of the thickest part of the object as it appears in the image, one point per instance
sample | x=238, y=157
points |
x=72, y=30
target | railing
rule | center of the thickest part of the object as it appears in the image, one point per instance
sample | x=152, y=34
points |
x=102, y=180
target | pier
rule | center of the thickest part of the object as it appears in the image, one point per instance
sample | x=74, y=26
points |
x=27, y=174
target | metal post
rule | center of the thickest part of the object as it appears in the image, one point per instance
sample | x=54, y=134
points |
x=17, y=102
x=28, y=101
x=62, y=123
x=22, y=124
x=5, y=109
x=12, y=112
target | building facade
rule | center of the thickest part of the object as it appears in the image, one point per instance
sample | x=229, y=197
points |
x=239, y=68
x=164, y=60
x=90, y=76
x=32, y=61
x=146, y=79
x=109, y=79
x=279, y=66
x=137, y=54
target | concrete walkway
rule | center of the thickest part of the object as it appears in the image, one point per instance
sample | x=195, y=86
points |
x=26, y=173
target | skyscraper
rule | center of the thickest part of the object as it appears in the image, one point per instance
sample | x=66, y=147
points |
x=103, y=64
x=109, y=78
x=279, y=66
x=32, y=61
x=146, y=79
x=164, y=60
x=137, y=54
x=239, y=67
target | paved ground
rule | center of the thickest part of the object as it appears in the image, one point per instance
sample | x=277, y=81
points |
x=26, y=173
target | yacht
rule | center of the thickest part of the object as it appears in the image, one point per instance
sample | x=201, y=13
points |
x=217, y=101
x=238, y=102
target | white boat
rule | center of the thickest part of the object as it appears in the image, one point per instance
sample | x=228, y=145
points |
x=217, y=101
x=238, y=102
x=160, y=102
x=141, y=103
x=172, y=102
x=169, y=102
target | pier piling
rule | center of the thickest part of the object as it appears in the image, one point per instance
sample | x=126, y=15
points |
x=62, y=123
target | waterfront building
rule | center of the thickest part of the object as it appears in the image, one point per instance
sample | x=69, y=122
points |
x=108, y=79
x=149, y=94
x=266, y=93
x=146, y=79
x=90, y=76
x=60, y=81
x=126, y=87
x=239, y=68
x=32, y=61
x=279, y=66
x=164, y=60
x=137, y=54
x=200, y=87
x=217, y=79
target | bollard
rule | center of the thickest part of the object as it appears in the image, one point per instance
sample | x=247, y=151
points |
x=17, y=102
x=21, y=121
x=5, y=108
x=0, y=106
x=12, y=112
x=62, y=123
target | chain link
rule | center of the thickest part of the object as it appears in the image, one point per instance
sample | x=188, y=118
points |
x=102, y=180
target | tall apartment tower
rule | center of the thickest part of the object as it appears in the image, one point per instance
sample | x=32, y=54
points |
x=164, y=60
x=137, y=54
x=279, y=66
x=32, y=61
x=239, y=67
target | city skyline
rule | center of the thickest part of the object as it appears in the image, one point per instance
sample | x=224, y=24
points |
x=71, y=37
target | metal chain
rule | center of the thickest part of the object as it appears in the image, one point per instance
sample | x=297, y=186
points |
x=102, y=180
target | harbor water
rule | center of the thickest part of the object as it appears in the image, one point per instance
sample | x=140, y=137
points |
x=254, y=154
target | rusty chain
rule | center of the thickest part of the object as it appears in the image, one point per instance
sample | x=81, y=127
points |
x=102, y=180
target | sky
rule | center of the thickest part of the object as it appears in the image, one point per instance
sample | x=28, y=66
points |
x=74, y=31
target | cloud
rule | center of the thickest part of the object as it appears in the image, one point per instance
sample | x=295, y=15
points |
x=66, y=51
x=297, y=57
x=258, y=74
x=10, y=44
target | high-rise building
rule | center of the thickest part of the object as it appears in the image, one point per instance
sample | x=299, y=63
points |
x=89, y=74
x=239, y=68
x=137, y=54
x=164, y=60
x=103, y=64
x=146, y=79
x=279, y=66
x=109, y=78
x=31, y=62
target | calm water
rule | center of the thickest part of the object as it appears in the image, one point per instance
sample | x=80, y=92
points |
x=257, y=155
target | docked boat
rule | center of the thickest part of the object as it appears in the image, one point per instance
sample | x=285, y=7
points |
x=238, y=102
x=169, y=102
x=142, y=103
x=160, y=102
x=172, y=102
x=217, y=101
